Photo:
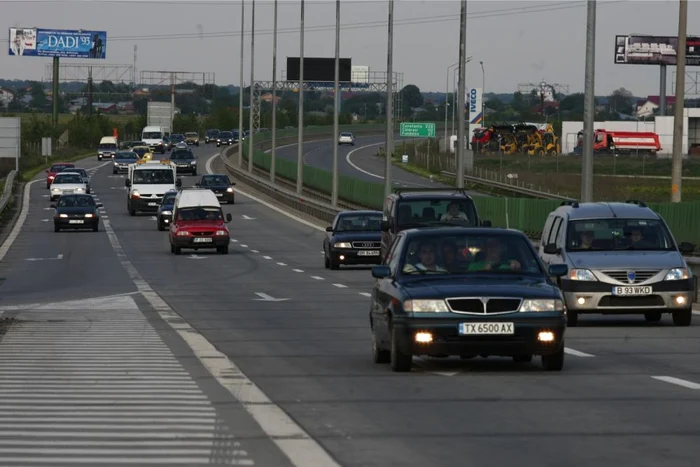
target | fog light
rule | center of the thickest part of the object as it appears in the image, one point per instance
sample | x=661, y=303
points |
x=545, y=336
x=341, y=257
x=680, y=300
x=581, y=300
x=424, y=337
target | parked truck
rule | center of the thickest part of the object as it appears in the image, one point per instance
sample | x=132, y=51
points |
x=622, y=142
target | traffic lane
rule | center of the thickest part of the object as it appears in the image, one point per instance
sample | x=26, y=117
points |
x=42, y=265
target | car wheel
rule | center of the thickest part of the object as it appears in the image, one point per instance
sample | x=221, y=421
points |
x=572, y=319
x=99, y=158
x=555, y=361
x=525, y=358
x=379, y=355
x=652, y=316
x=223, y=250
x=682, y=318
x=132, y=212
x=326, y=262
x=333, y=265
x=194, y=173
x=56, y=228
x=232, y=201
x=114, y=172
x=161, y=227
x=177, y=250
x=400, y=362
x=96, y=228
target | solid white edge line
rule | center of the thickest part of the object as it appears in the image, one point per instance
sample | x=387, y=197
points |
x=23, y=213
x=348, y=159
x=577, y=353
x=677, y=382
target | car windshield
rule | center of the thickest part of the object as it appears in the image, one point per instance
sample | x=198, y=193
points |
x=191, y=135
x=618, y=234
x=152, y=135
x=436, y=211
x=75, y=202
x=359, y=223
x=59, y=167
x=68, y=178
x=215, y=180
x=213, y=132
x=199, y=214
x=168, y=200
x=153, y=177
x=108, y=146
x=176, y=138
x=141, y=151
x=181, y=155
x=126, y=155
x=470, y=254
x=226, y=134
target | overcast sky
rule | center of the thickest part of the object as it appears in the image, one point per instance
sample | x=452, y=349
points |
x=519, y=42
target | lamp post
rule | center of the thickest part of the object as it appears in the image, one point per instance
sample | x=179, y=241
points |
x=454, y=88
x=483, y=94
x=251, y=123
x=273, y=154
x=389, y=100
x=240, y=90
x=300, y=118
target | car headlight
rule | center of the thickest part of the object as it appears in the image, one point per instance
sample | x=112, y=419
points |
x=581, y=275
x=193, y=162
x=63, y=215
x=541, y=305
x=221, y=233
x=342, y=245
x=426, y=306
x=56, y=190
x=166, y=213
x=89, y=215
x=116, y=164
x=229, y=190
x=183, y=233
x=79, y=189
x=135, y=194
x=678, y=274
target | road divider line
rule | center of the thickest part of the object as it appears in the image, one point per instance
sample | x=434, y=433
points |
x=577, y=353
x=298, y=270
x=281, y=264
x=366, y=294
x=244, y=246
x=348, y=159
x=678, y=382
x=318, y=278
x=254, y=251
x=23, y=213
x=340, y=286
x=267, y=257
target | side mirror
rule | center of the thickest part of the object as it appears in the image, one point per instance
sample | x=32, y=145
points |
x=551, y=249
x=233, y=183
x=127, y=183
x=686, y=248
x=486, y=223
x=178, y=182
x=558, y=270
x=53, y=206
x=99, y=205
x=385, y=226
x=229, y=218
x=380, y=272
x=329, y=228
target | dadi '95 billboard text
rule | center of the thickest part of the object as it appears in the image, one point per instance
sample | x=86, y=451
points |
x=37, y=42
x=637, y=49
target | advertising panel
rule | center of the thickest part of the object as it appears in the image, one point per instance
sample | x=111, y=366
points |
x=37, y=42
x=319, y=69
x=474, y=105
x=655, y=50
x=360, y=74
x=10, y=134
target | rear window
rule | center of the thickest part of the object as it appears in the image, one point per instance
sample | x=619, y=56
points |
x=435, y=211
x=60, y=167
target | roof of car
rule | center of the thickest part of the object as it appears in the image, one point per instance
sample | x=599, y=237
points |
x=196, y=197
x=360, y=213
x=428, y=194
x=456, y=230
x=63, y=163
x=625, y=210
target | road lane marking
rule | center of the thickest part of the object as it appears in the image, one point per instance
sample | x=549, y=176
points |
x=244, y=246
x=233, y=240
x=318, y=278
x=254, y=251
x=348, y=159
x=366, y=294
x=340, y=286
x=281, y=264
x=577, y=353
x=677, y=382
x=298, y=270
x=267, y=257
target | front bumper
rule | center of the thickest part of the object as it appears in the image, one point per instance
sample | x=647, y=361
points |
x=165, y=219
x=105, y=155
x=346, y=141
x=76, y=223
x=223, y=143
x=217, y=241
x=597, y=297
x=189, y=168
x=448, y=341
x=145, y=204
x=193, y=142
x=226, y=196
x=352, y=256
x=120, y=169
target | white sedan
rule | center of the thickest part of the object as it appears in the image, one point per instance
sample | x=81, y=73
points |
x=67, y=182
x=346, y=138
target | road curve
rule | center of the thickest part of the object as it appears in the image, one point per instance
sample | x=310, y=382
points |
x=135, y=365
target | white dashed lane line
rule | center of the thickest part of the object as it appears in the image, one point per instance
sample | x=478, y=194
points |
x=577, y=353
x=366, y=294
x=281, y=264
x=267, y=257
x=244, y=246
x=298, y=270
x=340, y=286
x=678, y=382
x=318, y=278
x=254, y=251
x=233, y=240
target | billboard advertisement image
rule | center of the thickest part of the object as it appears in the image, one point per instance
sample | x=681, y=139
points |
x=655, y=50
x=474, y=97
x=37, y=42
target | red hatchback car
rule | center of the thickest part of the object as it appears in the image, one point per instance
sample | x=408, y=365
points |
x=56, y=168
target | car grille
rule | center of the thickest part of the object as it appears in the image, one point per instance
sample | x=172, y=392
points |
x=365, y=245
x=202, y=234
x=639, y=276
x=631, y=302
x=476, y=305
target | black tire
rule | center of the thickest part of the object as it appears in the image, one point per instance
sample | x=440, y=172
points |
x=161, y=227
x=99, y=158
x=326, y=262
x=652, y=316
x=194, y=173
x=525, y=358
x=96, y=228
x=555, y=361
x=400, y=362
x=682, y=318
x=177, y=250
x=222, y=250
x=56, y=228
x=333, y=265
x=379, y=355
x=571, y=319
x=132, y=212
x=233, y=201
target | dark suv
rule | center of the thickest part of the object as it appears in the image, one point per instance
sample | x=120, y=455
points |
x=409, y=208
x=184, y=160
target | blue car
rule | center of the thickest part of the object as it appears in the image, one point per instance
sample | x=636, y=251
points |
x=465, y=292
x=354, y=238
x=122, y=160
x=164, y=215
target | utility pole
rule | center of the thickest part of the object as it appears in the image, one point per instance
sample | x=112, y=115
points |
x=240, y=90
x=336, y=109
x=251, y=132
x=677, y=157
x=300, y=118
x=588, y=107
x=54, y=90
x=172, y=102
x=273, y=151
x=89, y=91
x=461, y=91
x=389, y=108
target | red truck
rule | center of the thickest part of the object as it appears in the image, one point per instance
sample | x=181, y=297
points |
x=623, y=142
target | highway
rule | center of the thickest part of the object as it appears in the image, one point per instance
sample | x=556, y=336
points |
x=263, y=357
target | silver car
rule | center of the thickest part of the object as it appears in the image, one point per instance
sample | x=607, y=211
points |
x=622, y=259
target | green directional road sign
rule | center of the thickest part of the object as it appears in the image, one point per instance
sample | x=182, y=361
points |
x=418, y=130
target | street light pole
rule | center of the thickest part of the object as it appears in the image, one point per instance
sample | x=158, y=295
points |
x=389, y=100
x=461, y=93
x=483, y=94
x=300, y=118
x=677, y=157
x=251, y=130
x=336, y=109
x=273, y=153
x=589, y=107
x=240, y=90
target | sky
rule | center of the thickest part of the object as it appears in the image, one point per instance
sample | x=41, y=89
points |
x=519, y=42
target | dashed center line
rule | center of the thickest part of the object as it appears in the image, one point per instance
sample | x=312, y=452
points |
x=281, y=264
x=233, y=240
x=267, y=257
x=366, y=294
x=340, y=286
x=298, y=270
x=244, y=246
x=577, y=353
x=678, y=382
x=318, y=278
x=255, y=251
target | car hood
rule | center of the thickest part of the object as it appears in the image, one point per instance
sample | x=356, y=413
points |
x=152, y=141
x=75, y=210
x=125, y=161
x=627, y=259
x=183, y=161
x=486, y=285
x=201, y=225
x=358, y=236
x=217, y=187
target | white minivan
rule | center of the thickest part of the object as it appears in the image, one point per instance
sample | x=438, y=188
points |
x=108, y=147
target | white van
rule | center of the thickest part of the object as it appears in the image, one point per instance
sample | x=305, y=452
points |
x=198, y=222
x=108, y=147
x=153, y=137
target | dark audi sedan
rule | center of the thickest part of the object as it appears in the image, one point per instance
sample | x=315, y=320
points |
x=164, y=216
x=221, y=185
x=466, y=292
x=76, y=212
x=354, y=238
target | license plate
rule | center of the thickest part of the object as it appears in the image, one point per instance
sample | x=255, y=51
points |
x=368, y=253
x=219, y=195
x=76, y=221
x=153, y=204
x=202, y=240
x=627, y=291
x=66, y=192
x=480, y=329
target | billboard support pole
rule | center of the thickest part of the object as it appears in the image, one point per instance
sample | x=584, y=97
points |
x=589, y=107
x=679, y=107
x=336, y=105
x=273, y=150
x=389, y=110
x=461, y=91
x=662, y=90
x=172, y=102
x=240, y=89
x=251, y=116
x=54, y=89
x=300, y=122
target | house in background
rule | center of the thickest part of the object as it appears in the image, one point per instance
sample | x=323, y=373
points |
x=650, y=106
x=6, y=97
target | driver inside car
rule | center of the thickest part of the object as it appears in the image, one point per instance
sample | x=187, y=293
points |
x=491, y=259
x=427, y=256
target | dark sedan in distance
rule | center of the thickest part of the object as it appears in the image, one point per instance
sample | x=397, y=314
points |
x=185, y=160
x=221, y=185
x=355, y=237
x=76, y=212
x=164, y=216
x=225, y=138
x=122, y=160
x=466, y=292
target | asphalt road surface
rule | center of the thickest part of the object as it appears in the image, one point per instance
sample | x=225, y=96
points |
x=134, y=367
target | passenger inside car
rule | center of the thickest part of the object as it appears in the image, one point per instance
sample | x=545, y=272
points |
x=635, y=238
x=492, y=258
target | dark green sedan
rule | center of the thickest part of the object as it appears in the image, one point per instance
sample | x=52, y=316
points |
x=466, y=292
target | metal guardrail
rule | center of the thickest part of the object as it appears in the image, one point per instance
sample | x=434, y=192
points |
x=511, y=187
x=7, y=191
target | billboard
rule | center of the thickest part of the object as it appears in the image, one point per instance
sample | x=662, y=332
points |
x=637, y=49
x=360, y=74
x=10, y=137
x=474, y=100
x=319, y=69
x=37, y=42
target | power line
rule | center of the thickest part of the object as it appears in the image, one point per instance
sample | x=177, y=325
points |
x=348, y=26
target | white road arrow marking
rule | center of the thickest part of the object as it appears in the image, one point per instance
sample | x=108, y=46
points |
x=268, y=298
x=197, y=257
x=45, y=220
x=45, y=259
x=154, y=218
x=48, y=209
x=248, y=218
